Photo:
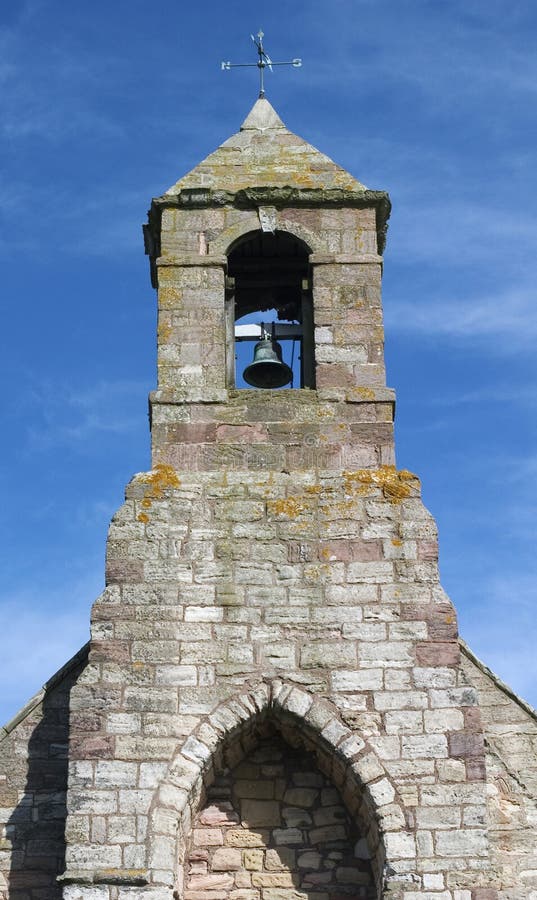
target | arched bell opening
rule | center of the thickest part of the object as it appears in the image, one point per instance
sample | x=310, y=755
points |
x=277, y=818
x=270, y=312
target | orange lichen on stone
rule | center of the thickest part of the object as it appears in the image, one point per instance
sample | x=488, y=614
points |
x=366, y=393
x=394, y=484
x=158, y=480
x=287, y=506
x=164, y=331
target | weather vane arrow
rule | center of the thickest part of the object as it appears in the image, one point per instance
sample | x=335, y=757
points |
x=262, y=63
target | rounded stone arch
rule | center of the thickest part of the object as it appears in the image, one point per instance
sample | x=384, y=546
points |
x=270, y=274
x=350, y=763
x=226, y=240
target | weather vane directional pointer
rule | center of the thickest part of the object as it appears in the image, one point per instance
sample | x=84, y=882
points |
x=263, y=62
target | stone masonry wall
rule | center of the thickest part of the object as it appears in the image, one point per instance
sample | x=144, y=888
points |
x=197, y=423
x=33, y=786
x=274, y=826
x=511, y=756
x=221, y=581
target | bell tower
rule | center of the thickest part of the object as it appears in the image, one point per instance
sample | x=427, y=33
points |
x=274, y=706
x=268, y=224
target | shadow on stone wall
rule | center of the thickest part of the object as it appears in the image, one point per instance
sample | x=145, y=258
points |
x=36, y=828
x=274, y=824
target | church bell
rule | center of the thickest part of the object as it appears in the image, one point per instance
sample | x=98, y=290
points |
x=268, y=370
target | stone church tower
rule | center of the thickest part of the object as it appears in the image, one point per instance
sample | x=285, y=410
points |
x=275, y=703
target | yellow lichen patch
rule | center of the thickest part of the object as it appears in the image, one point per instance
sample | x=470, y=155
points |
x=287, y=506
x=164, y=331
x=396, y=542
x=143, y=517
x=394, y=484
x=170, y=297
x=157, y=481
x=365, y=393
x=316, y=572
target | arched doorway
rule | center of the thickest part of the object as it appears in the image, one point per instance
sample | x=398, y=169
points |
x=273, y=826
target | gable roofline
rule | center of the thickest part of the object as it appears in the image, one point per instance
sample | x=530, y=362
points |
x=78, y=659
x=503, y=687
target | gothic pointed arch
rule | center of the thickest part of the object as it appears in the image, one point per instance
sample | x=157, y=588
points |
x=301, y=718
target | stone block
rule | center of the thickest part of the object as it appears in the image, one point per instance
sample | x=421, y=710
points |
x=327, y=654
x=382, y=792
x=400, y=845
x=285, y=894
x=243, y=894
x=220, y=813
x=398, y=700
x=463, y=744
x=272, y=880
x=226, y=859
x=438, y=817
x=434, y=678
x=295, y=818
x=426, y=745
x=243, y=837
x=407, y=722
x=330, y=815
x=469, y=842
x=327, y=833
x=112, y=773
x=281, y=859
x=310, y=859
x=302, y=797
x=357, y=679
x=253, y=859
x=85, y=892
x=433, y=881
x=208, y=837
x=436, y=653
x=288, y=836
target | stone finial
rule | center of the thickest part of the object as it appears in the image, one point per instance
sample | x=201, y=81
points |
x=262, y=117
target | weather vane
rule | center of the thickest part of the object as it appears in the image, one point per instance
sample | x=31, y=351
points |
x=262, y=63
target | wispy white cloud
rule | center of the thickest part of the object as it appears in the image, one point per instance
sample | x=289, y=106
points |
x=89, y=226
x=49, y=90
x=501, y=630
x=461, y=232
x=38, y=636
x=429, y=52
x=73, y=415
x=507, y=321
x=515, y=394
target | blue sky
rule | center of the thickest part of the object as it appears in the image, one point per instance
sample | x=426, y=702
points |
x=103, y=106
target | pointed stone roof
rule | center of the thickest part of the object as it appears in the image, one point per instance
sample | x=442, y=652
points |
x=264, y=153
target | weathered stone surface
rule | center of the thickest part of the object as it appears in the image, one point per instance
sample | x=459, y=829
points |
x=275, y=864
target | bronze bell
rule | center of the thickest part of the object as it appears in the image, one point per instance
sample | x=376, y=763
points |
x=268, y=370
